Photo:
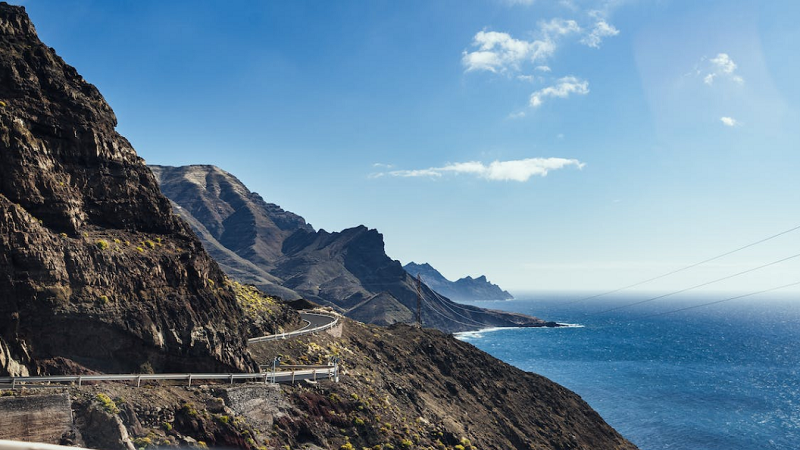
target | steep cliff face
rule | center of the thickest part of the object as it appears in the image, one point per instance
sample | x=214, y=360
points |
x=96, y=272
x=463, y=289
x=260, y=243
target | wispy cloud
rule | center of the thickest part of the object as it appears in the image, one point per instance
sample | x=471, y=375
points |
x=600, y=30
x=514, y=170
x=563, y=88
x=720, y=66
x=730, y=121
x=517, y=115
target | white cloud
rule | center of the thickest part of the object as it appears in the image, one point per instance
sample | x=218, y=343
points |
x=382, y=165
x=562, y=89
x=543, y=68
x=528, y=78
x=517, y=115
x=601, y=29
x=499, y=52
x=515, y=170
x=730, y=121
x=559, y=27
x=720, y=66
x=724, y=63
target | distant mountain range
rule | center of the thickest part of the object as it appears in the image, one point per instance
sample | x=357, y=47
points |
x=276, y=250
x=463, y=289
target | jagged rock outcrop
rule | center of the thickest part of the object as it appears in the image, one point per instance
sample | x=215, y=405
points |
x=463, y=289
x=95, y=269
x=260, y=243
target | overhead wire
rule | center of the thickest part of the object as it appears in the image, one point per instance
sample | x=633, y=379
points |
x=720, y=301
x=693, y=287
x=685, y=267
x=445, y=316
x=444, y=304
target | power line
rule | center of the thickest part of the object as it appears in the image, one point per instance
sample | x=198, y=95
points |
x=721, y=301
x=686, y=267
x=445, y=316
x=443, y=303
x=694, y=287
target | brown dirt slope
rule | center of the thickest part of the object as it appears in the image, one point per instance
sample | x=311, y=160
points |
x=401, y=388
x=410, y=388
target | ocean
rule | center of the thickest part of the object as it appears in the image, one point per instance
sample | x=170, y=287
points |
x=721, y=377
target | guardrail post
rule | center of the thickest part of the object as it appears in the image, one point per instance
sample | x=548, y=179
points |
x=13, y=383
x=139, y=381
x=190, y=380
x=231, y=378
x=292, y=376
x=80, y=380
x=314, y=372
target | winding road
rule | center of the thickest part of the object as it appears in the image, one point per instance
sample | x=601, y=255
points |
x=315, y=322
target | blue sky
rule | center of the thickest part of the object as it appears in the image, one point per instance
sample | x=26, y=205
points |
x=551, y=145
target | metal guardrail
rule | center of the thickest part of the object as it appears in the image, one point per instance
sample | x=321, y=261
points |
x=300, y=332
x=296, y=373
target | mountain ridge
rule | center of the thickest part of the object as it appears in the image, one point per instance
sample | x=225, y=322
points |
x=348, y=270
x=463, y=289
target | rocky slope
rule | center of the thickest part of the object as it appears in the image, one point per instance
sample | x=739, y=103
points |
x=463, y=289
x=401, y=388
x=260, y=243
x=96, y=272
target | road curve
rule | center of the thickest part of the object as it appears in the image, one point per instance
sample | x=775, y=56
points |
x=314, y=322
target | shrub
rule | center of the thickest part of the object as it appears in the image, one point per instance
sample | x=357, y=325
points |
x=189, y=409
x=150, y=244
x=358, y=422
x=166, y=426
x=101, y=244
x=405, y=443
x=107, y=403
x=347, y=446
x=142, y=442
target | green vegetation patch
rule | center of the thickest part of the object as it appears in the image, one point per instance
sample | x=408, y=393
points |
x=107, y=403
x=253, y=301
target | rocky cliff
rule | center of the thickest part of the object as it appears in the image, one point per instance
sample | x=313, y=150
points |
x=96, y=272
x=260, y=243
x=463, y=289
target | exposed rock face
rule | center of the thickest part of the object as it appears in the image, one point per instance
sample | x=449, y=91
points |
x=95, y=269
x=45, y=418
x=239, y=229
x=260, y=243
x=463, y=289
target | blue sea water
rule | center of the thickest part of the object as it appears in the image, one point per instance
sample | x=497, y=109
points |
x=719, y=377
